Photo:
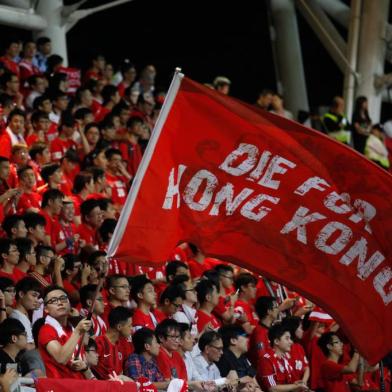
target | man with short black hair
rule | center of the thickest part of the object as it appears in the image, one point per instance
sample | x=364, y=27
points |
x=35, y=225
x=30, y=200
x=208, y=297
x=9, y=258
x=14, y=226
x=114, y=348
x=52, y=203
x=332, y=371
x=27, y=300
x=27, y=258
x=91, y=221
x=169, y=302
x=7, y=287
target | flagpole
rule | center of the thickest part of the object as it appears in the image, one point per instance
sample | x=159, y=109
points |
x=382, y=377
x=131, y=198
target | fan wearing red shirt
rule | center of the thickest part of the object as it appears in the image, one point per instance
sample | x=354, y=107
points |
x=244, y=312
x=29, y=201
x=169, y=302
x=113, y=348
x=224, y=311
x=273, y=370
x=267, y=311
x=91, y=221
x=52, y=203
x=9, y=258
x=170, y=362
x=143, y=293
x=208, y=297
x=198, y=263
x=57, y=340
x=117, y=176
x=60, y=145
x=332, y=373
x=297, y=357
x=12, y=50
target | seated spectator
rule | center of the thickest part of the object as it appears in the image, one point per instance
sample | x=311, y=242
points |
x=37, y=85
x=7, y=287
x=143, y=293
x=71, y=277
x=91, y=221
x=113, y=348
x=9, y=258
x=13, y=341
x=222, y=84
x=170, y=362
x=278, y=107
x=297, y=356
x=208, y=297
x=235, y=343
x=45, y=263
x=27, y=300
x=225, y=308
x=91, y=357
x=69, y=167
x=211, y=350
x=52, y=176
x=87, y=294
x=274, y=371
x=267, y=311
x=174, y=268
x=39, y=153
x=60, y=145
x=41, y=124
x=142, y=363
x=187, y=312
x=14, y=226
x=58, y=341
x=375, y=148
x=52, y=203
x=35, y=225
x=27, y=259
x=332, y=372
x=169, y=302
x=13, y=133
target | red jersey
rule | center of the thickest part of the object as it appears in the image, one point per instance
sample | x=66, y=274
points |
x=10, y=65
x=273, y=370
x=88, y=234
x=132, y=154
x=298, y=361
x=27, y=201
x=50, y=224
x=258, y=344
x=119, y=188
x=197, y=269
x=15, y=276
x=58, y=148
x=140, y=320
x=204, y=318
x=111, y=357
x=332, y=378
x=54, y=369
x=171, y=365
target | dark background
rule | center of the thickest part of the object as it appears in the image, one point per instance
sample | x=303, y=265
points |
x=204, y=38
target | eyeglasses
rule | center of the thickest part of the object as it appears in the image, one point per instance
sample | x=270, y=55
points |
x=56, y=300
x=173, y=337
x=216, y=348
x=125, y=287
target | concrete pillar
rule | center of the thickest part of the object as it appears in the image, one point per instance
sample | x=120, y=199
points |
x=371, y=54
x=289, y=56
x=51, y=10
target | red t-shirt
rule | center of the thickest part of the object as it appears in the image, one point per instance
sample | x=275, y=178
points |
x=16, y=275
x=50, y=224
x=332, y=378
x=54, y=369
x=29, y=200
x=171, y=365
x=119, y=188
x=205, y=318
x=59, y=147
x=88, y=234
x=111, y=356
x=273, y=370
x=258, y=344
x=243, y=307
x=140, y=320
x=298, y=361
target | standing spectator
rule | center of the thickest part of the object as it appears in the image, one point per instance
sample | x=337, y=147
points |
x=7, y=300
x=11, y=86
x=264, y=100
x=332, y=372
x=52, y=204
x=35, y=225
x=361, y=123
x=222, y=84
x=37, y=86
x=12, y=50
x=29, y=201
x=9, y=257
x=169, y=302
x=128, y=72
x=26, y=66
x=60, y=145
x=278, y=107
x=14, y=226
x=91, y=221
x=13, y=133
x=335, y=123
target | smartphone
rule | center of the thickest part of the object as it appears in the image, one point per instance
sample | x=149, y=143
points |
x=11, y=366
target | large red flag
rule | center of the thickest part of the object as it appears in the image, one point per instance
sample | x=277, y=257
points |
x=272, y=196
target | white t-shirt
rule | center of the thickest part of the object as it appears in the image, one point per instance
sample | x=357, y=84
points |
x=16, y=314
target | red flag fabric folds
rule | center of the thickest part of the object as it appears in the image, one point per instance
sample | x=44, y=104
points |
x=272, y=196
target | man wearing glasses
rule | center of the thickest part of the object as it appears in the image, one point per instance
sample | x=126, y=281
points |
x=169, y=302
x=332, y=372
x=170, y=362
x=58, y=340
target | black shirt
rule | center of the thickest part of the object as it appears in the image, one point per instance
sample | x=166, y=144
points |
x=4, y=359
x=241, y=365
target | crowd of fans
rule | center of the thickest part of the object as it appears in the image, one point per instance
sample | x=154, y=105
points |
x=70, y=145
